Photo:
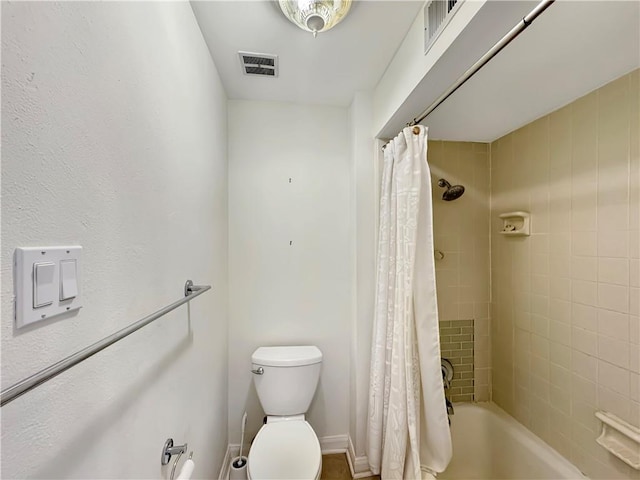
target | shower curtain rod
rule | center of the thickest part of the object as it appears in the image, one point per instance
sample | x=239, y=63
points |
x=493, y=51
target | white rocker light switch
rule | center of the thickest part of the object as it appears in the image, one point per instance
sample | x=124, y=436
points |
x=68, y=279
x=43, y=287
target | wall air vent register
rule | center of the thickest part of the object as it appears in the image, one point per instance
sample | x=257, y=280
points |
x=437, y=14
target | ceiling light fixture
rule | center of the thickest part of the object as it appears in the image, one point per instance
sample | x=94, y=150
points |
x=315, y=15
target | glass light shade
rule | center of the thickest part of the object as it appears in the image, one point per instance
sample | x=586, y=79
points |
x=315, y=15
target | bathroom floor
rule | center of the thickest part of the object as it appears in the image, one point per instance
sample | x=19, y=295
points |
x=335, y=467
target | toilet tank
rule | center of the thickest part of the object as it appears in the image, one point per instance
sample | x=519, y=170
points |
x=289, y=379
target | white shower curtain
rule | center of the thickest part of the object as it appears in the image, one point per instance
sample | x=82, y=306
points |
x=408, y=428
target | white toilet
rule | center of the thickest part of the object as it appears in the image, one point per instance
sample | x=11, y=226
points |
x=286, y=447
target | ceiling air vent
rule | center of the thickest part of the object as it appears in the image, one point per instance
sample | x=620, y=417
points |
x=261, y=64
x=437, y=13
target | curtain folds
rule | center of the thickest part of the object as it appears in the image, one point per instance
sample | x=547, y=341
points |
x=408, y=428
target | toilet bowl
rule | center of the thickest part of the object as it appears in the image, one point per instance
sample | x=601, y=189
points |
x=285, y=450
x=286, y=447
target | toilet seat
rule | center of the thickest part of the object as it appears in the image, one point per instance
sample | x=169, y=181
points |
x=285, y=450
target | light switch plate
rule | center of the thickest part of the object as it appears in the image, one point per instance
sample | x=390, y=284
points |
x=23, y=274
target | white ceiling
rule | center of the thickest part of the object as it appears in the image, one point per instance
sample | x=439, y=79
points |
x=573, y=48
x=325, y=70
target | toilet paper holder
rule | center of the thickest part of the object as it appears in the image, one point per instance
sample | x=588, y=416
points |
x=169, y=449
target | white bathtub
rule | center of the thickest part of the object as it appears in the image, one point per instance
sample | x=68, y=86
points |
x=490, y=444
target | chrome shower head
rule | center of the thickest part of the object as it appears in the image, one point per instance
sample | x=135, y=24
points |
x=451, y=192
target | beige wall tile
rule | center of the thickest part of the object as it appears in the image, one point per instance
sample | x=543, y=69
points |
x=634, y=387
x=561, y=242
x=584, y=316
x=561, y=443
x=614, y=351
x=584, y=268
x=482, y=393
x=584, y=292
x=634, y=415
x=565, y=334
x=560, y=332
x=540, y=325
x=613, y=216
x=481, y=376
x=613, y=297
x=584, y=243
x=540, y=346
x=462, y=232
x=634, y=301
x=584, y=414
x=613, y=377
x=613, y=324
x=614, y=402
x=584, y=341
x=560, y=354
x=560, y=399
x=583, y=389
x=560, y=377
x=634, y=357
x=539, y=305
x=584, y=365
x=560, y=287
x=612, y=244
x=539, y=385
x=634, y=272
x=559, y=310
x=634, y=329
x=613, y=270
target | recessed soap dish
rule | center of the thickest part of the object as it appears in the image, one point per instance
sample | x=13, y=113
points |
x=516, y=224
x=620, y=438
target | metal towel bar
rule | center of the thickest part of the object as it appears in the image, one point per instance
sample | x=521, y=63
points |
x=191, y=291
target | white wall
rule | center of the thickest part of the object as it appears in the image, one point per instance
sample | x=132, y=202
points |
x=114, y=138
x=410, y=64
x=414, y=79
x=282, y=293
x=364, y=205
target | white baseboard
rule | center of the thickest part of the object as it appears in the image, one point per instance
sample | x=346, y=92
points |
x=359, y=466
x=328, y=445
x=226, y=462
x=334, y=444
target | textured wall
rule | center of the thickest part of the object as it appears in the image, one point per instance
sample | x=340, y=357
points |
x=565, y=327
x=289, y=250
x=114, y=138
x=461, y=232
x=364, y=205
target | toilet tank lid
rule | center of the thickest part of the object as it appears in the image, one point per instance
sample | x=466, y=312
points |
x=290, y=356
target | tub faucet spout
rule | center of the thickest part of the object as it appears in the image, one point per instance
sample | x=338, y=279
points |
x=445, y=379
x=447, y=372
x=449, y=406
